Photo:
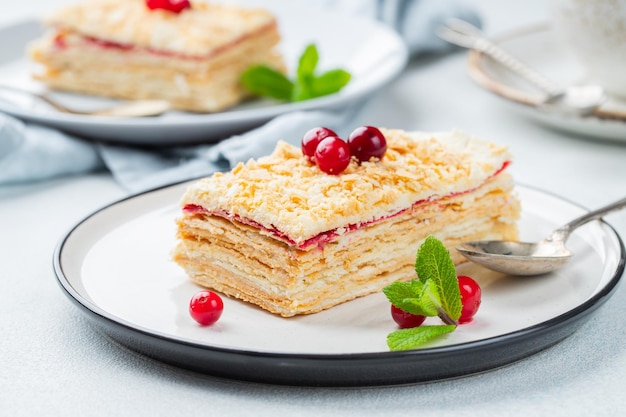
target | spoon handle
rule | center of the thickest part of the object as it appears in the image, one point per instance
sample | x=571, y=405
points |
x=462, y=33
x=41, y=96
x=563, y=232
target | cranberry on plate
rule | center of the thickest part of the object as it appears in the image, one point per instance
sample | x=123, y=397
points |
x=206, y=307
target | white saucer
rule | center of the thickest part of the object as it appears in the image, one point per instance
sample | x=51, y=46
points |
x=538, y=47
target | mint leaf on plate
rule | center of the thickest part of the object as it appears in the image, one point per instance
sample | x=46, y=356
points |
x=406, y=339
x=309, y=85
x=433, y=263
x=262, y=80
x=307, y=63
x=330, y=82
x=435, y=292
x=414, y=297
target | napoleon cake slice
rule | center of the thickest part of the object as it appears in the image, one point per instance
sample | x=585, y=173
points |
x=280, y=233
x=122, y=49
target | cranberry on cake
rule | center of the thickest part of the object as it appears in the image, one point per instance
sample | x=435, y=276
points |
x=281, y=233
x=189, y=53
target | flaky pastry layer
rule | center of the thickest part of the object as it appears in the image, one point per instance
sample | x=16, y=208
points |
x=235, y=259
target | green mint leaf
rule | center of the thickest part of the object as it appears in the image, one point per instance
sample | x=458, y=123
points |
x=405, y=296
x=416, y=306
x=305, y=74
x=414, y=297
x=430, y=299
x=262, y=80
x=307, y=63
x=406, y=339
x=433, y=263
x=400, y=290
x=302, y=91
x=330, y=82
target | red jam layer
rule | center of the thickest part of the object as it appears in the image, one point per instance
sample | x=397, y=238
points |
x=318, y=240
x=324, y=237
x=60, y=43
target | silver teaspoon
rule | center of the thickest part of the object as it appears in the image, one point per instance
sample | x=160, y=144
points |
x=525, y=258
x=579, y=100
x=138, y=108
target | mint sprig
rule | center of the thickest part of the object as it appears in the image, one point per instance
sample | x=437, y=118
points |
x=435, y=293
x=406, y=339
x=262, y=80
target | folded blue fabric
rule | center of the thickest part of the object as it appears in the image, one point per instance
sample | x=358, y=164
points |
x=29, y=152
x=140, y=170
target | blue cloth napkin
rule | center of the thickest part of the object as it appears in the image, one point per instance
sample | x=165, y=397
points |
x=30, y=152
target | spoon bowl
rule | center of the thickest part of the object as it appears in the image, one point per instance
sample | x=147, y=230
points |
x=578, y=99
x=512, y=257
x=531, y=258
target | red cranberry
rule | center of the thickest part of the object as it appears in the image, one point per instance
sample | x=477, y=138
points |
x=175, y=6
x=206, y=307
x=312, y=138
x=367, y=142
x=470, y=297
x=332, y=155
x=406, y=320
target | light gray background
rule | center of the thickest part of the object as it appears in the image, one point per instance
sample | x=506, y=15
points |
x=53, y=364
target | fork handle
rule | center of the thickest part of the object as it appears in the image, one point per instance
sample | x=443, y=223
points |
x=462, y=33
x=505, y=58
x=39, y=96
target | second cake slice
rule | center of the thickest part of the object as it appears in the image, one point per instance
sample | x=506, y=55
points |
x=122, y=49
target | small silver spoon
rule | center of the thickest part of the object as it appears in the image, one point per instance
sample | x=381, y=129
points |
x=525, y=258
x=139, y=108
x=578, y=100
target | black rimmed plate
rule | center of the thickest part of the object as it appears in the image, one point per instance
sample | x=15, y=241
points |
x=372, y=52
x=115, y=266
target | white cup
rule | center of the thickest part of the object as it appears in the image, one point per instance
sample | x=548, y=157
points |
x=595, y=33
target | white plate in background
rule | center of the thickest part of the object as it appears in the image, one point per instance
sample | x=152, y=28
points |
x=373, y=53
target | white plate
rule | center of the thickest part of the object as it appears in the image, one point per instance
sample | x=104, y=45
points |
x=538, y=47
x=372, y=52
x=116, y=266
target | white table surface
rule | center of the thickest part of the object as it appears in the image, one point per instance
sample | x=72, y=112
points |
x=52, y=363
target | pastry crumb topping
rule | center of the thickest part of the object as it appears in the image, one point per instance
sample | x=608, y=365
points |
x=284, y=192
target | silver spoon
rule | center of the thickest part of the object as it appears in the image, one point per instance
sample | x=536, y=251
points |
x=579, y=100
x=524, y=258
x=139, y=108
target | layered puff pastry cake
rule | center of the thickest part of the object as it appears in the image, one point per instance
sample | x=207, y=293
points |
x=123, y=49
x=280, y=233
